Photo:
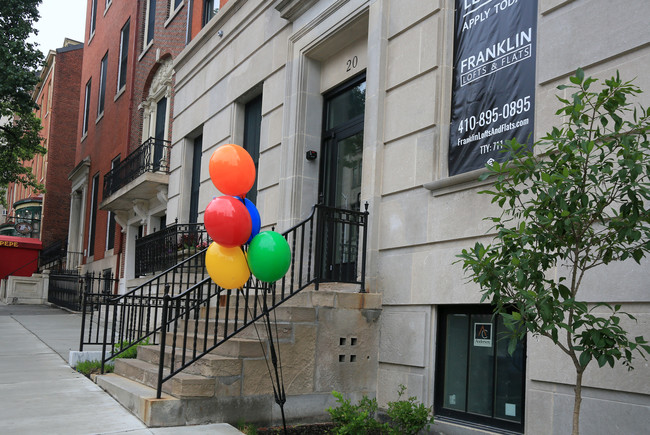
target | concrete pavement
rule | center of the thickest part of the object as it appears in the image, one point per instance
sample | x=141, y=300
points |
x=41, y=394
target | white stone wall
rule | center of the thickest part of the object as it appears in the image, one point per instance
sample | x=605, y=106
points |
x=415, y=233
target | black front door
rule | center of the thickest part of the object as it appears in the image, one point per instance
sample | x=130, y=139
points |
x=340, y=182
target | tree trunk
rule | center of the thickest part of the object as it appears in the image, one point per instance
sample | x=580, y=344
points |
x=576, y=403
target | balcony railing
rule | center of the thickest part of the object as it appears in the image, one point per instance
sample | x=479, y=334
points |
x=151, y=156
x=163, y=249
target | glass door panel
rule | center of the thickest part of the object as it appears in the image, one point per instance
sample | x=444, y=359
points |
x=455, y=396
x=481, y=362
x=508, y=401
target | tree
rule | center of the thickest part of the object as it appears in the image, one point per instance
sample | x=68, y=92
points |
x=582, y=203
x=19, y=62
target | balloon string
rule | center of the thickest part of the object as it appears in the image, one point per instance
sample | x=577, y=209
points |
x=247, y=265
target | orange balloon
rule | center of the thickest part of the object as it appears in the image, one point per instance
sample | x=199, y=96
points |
x=232, y=170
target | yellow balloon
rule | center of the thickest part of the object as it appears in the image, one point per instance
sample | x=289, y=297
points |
x=227, y=266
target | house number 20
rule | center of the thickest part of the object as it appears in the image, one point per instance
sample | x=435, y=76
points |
x=352, y=63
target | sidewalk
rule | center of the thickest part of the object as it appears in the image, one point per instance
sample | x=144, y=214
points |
x=40, y=393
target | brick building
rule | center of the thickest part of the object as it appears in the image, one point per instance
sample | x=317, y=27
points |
x=57, y=96
x=120, y=179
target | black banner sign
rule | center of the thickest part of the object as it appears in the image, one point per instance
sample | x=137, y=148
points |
x=493, y=97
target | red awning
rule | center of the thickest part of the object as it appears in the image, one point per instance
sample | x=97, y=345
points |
x=18, y=255
x=20, y=242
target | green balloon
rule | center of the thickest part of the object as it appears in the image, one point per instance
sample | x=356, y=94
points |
x=269, y=256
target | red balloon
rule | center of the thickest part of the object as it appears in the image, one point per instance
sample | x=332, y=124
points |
x=232, y=170
x=227, y=221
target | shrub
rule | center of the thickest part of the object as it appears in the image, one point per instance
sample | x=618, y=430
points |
x=406, y=417
x=355, y=419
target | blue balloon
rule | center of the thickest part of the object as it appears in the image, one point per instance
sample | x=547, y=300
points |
x=255, y=218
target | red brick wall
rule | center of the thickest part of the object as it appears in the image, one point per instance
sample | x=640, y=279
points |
x=167, y=42
x=62, y=134
x=197, y=15
x=108, y=136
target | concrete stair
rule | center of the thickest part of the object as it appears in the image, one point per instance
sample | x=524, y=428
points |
x=232, y=383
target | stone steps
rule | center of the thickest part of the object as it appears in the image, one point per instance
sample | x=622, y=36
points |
x=232, y=382
x=141, y=400
x=183, y=385
x=234, y=347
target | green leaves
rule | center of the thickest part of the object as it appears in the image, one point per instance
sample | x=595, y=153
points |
x=582, y=204
x=19, y=63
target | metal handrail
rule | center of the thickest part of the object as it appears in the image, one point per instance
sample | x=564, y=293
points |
x=180, y=310
x=133, y=317
x=197, y=312
x=151, y=156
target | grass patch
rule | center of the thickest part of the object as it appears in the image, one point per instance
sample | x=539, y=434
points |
x=131, y=352
x=88, y=368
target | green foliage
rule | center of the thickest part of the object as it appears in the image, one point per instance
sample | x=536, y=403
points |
x=580, y=204
x=19, y=62
x=130, y=352
x=355, y=419
x=90, y=367
x=406, y=417
x=247, y=428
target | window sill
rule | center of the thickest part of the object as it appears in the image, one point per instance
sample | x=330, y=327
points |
x=144, y=50
x=119, y=93
x=172, y=14
x=90, y=38
x=456, y=183
x=99, y=117
x=84, y=136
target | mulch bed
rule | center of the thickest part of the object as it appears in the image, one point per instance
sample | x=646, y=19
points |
x=304, y=429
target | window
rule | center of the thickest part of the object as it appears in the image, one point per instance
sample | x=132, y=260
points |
x=93, y=215
x=150, y=21
x=84, y=128
x=477, y=380
x=110, y=233
x=252, y=126
x=93, y=16
x=177, y=3
x=209, y=10
x=197, y=150
x=124, y=56
x=102, y=85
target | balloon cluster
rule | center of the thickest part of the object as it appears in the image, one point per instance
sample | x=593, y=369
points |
x=233, y=221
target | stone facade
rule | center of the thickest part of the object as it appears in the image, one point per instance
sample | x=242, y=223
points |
x=293, y=52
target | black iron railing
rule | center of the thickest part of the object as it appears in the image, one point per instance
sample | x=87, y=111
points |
x=56, y=258
x=162, y=249
x=151, y=156
x=340, y=234
x=67, y=287
x=196, y=316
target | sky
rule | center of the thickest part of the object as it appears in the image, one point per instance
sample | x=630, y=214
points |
x=60, y=19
